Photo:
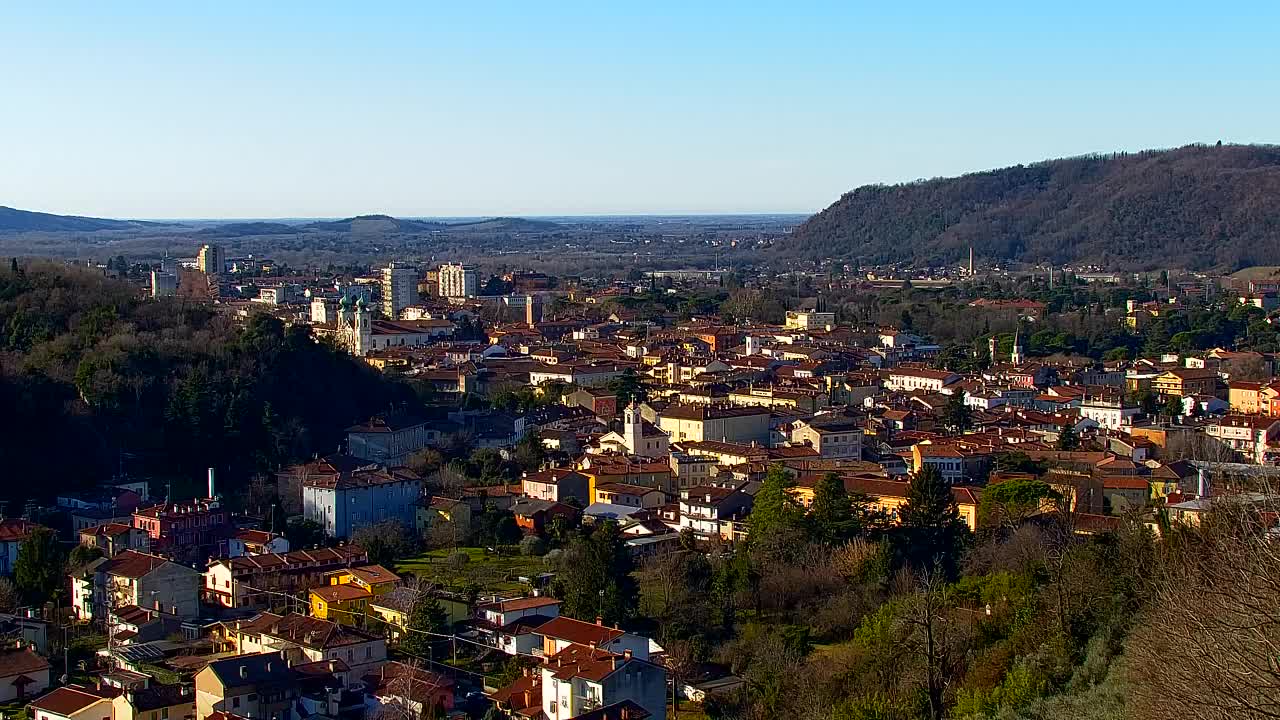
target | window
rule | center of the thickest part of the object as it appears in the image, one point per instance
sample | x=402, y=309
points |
x=253, y=697
x=368, y=652
x=165, y=713
x=235, y=702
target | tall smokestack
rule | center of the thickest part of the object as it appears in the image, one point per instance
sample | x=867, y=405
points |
x=212, y=493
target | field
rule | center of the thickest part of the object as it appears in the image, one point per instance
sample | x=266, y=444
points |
x=492, y=573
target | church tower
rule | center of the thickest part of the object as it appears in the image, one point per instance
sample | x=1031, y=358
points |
x=633, y=428
x=362, y=329
x=1016, y=357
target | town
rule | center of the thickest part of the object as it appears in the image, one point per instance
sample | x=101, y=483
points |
x=598, y=480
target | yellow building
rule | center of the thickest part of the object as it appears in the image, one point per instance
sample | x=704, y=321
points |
x=343, y=604
x=888, y=495
x=373, y=578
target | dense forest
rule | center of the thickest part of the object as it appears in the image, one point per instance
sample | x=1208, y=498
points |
x=95, y=379
x=1194, y=207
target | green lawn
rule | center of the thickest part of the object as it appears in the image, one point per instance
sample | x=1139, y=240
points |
x=492, y=573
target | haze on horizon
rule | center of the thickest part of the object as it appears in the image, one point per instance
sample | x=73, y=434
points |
x=256, y=110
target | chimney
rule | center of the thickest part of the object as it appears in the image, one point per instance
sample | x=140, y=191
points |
x=626, y=654
x=599, y=620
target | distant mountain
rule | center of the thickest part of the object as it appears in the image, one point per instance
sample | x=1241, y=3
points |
x=250, y=228
x=13, y=220
x=1195, y=207
x=506, y=224
x=376, y=224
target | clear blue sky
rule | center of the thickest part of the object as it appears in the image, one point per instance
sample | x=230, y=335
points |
x=274, y=109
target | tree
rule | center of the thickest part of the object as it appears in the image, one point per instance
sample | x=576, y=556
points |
x=628, y=388
x=595, y=577
x=385, y=542
x=303, y=534
x=1173, y=408
x=831, y=514
x=82, y=555
x=427, y=616
x=1069, y=439
x=931, y=533
x=10, y=598
x=38, y=570
x=957, y=415
x=776, y=517
x=1012, y=501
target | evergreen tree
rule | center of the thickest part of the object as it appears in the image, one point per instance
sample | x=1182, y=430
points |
x=1068, y=439
x=427, y=616
x=831, y=515
x=595, y=577
x=931, y=532
x=38, y=570
x=775, y=514
x=957, y=415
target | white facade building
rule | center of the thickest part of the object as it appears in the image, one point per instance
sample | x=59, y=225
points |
x=399, y=289
x=458, y=280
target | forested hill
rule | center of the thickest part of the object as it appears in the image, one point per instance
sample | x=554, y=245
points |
x=90, y=373
x=1194, y=207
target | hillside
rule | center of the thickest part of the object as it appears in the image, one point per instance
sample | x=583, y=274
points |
x=249, y=229
x=1194, y=207
x=14, y=220
x=506, y=224
x=371, y=224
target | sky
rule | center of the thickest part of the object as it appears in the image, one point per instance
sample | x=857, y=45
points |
x=279, y=109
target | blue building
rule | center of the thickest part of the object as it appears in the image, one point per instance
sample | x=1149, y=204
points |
x=345, y=502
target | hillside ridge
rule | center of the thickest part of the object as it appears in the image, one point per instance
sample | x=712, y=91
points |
x=1196, y=206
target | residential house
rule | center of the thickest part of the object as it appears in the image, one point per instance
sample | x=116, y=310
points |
x=581, y=679
x=556, y=485
x=1249, y=435
x=444, y=513
x=919, y=379
x=73, y=703
x=563, y=632
x=600, y=401
x=888, y=495
x=254, y=581
x=704, y=509
x=1181, y=382
x=23, y=673
x=316, y=640
x=342, y=604
x=345, y=503
x=188, y=531
x=12, y=532
x=699, y=423
x=395, y=606
x=512, y=625
x=137, y=579
x=408, y=691
x=263, y=685
x=832, y=438
x=1125, y=493
x=637, y=496
x=533, y=516
x=115, y=538
x=390, y=439
x=154, y=701
x=256, y=542
x=1244, y=397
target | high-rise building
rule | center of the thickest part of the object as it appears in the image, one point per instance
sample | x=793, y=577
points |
x=211, y=260
x=163, y=284
x=399, y=289
x=458, y=280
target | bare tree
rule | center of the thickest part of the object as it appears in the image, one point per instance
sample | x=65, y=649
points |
x=938, y=635
x=1209, y=648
